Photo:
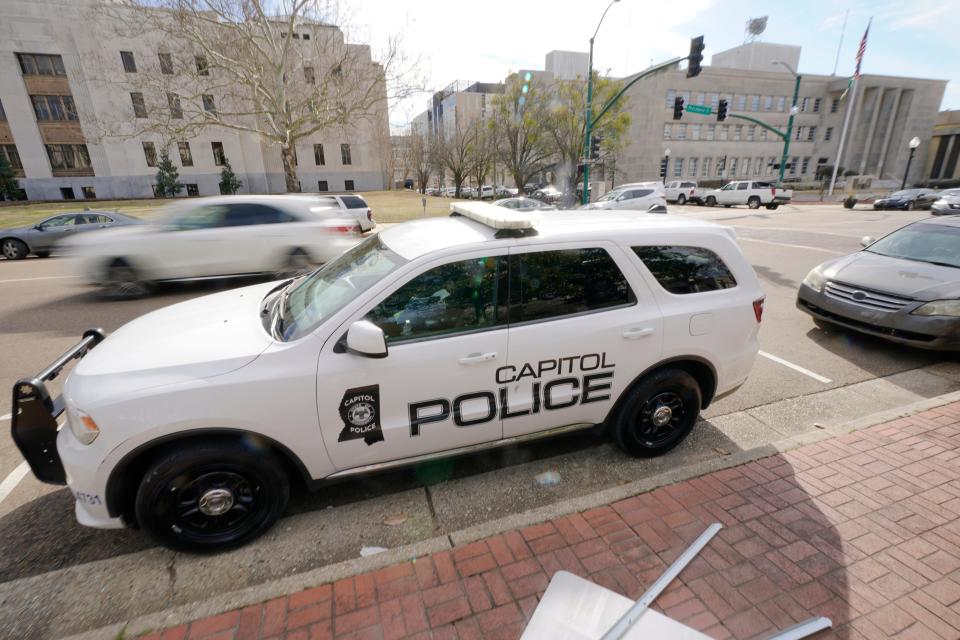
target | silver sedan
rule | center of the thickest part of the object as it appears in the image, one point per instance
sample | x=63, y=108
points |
x=947, y=203
x=41, y=238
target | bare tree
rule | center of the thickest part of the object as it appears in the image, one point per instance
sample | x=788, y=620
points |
x=454, y=150
x=420, y=158
x=279, y=69
x=482, y=153
x=525, y=147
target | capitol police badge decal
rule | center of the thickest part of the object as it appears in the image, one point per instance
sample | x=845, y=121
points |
x=360, y=412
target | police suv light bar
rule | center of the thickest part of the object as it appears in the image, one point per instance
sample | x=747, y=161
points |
x=493, y=216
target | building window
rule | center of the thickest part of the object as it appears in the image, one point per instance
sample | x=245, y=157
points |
x=803, y=103
x=741, y=100
x=828, y=134
x=309, y=76
x=763, y=134
x=150, y=153
x=771, y=165
x=745, y=166
x=681, y=132
x=139, y=107
x=754, y=103
x=694, y=131
x=348, y=185
x=671, y=98
x=54, y=108
x=9, y=151
x=345, y=154
x=192, y=190
x=678, y=167
x=699, y=98
x=733, y=167
x=781, y=103
x=186, y=157
x=39, y=64
x=173, y=101
x=721, y=164
x=805, y=166
x=208, y=104
x=219, y=158
x=667, y=131
x=834, y=105
x=89, y=193
x=707, y=163
x=166, y=63
x=68, y=156
x=812, y=134
x=202, y=68
x=322, y=185
x=757, y=166
x=767, y=103
x=816, y=104
x=711, y=131
x=67, y=193
x=793, y=165
x=724, y=131
x=306, y=36
x=751, y=133
x=129, y=64
x=714, y=101
x=798, y=134
x=692, y=169
x=738, y=132
x=318, y=158
x=686, y=97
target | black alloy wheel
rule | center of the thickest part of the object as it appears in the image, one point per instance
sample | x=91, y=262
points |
x=657, y=413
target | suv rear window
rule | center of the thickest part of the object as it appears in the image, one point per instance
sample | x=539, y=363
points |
x=354, y=202
x=551, y=284
x=684, y=270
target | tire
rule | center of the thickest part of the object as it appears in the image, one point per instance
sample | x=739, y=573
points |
x=211, y=496
x=727, y=206
x=850, y=201
x=42, y=254
x=13, y=249
x=912, y=205
x=123, y=282
x=296, y=263
x=633, y=427
x=753, y=202
x=681, y=199
x=773, y=206
x=711, y=201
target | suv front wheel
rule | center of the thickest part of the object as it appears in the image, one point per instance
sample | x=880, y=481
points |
x=657, y=413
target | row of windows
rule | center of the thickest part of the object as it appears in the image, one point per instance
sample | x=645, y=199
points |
x=220, y=158
x=9, y=153
x=740, y=167
x=68, y=156
x=49, y=108
x=737, y=132
x=166, y=63
x=41, y=64
x=483, y=293
x=748, y=102
x=173, y=103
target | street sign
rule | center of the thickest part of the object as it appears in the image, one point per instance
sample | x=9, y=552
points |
x=696, y=108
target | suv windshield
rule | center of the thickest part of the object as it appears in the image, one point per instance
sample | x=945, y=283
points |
x=324, y=292
x=934, y=243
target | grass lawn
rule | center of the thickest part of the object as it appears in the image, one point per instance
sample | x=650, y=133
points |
x=388, y=206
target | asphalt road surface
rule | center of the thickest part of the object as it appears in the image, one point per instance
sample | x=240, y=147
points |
x=804, y=375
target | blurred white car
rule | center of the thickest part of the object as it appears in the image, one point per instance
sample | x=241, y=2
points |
x=215, y=237
x=633, y=198
x=351, y=205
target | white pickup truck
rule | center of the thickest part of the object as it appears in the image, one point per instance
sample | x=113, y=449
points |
x=684, y=191
x=751, y=193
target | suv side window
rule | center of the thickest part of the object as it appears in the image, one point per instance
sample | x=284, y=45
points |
x=203, y=217
x=354, y=202
x=683, y=270
x=743, y=186
x=453, y=298
x=241, y=215
x=553, y=284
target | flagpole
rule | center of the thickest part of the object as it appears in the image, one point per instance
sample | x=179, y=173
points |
x=843, y=30
x=843, y=135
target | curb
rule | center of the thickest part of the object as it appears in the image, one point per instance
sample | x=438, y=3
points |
x=225, y=602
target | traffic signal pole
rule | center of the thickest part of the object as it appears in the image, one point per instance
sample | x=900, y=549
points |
x=588, y=129
x=786, y=139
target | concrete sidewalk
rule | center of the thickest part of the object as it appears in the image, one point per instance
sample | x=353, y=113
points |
x=863, y=528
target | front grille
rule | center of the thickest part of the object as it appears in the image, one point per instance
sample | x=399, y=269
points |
x=867, y=327
x=865, y=297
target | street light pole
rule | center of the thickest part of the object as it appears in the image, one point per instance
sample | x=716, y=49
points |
x=914, y=143
x=793, y=113
x=588, y=128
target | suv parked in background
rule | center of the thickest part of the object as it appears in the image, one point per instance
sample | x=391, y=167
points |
x=751, y=193
x=633, y=198
x=352, y=205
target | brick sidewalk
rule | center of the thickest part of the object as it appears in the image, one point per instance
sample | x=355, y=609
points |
x=863, y=528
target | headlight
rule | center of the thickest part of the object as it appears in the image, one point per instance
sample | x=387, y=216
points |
x=83, y=427
x=815, y=279
x=949, y=308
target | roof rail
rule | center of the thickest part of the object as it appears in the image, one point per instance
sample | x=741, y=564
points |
x=499, y=218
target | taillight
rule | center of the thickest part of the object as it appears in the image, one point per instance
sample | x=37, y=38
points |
x=758, y=309
x=346, y=229
x=370, y=215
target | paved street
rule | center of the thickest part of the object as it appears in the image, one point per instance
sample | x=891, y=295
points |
x=805, y=377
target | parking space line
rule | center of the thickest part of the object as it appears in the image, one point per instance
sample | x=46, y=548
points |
x=795, y=246
x=11, y=481
x=796, y=367
x=37, y=278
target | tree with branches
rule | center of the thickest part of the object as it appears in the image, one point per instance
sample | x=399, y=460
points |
x=278, y=69
x=168, y=178
x=9, y=187
x=229, y=182
x=524, y=146
x=482, y=153
x=420, y=157
x=454, y=150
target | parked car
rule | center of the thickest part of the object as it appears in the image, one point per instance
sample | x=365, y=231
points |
x=524, y=204
x=215, y=237
x=487, y=192
x=43, y=237
x=468, y=192
x=754, y=194
x=431, y=191
x=947, y=203
x=548, y=194
x=904, y=287
x=351, y=205
x=506, y=192
x=635, y=199
x=683, y=191
x=907, y=200
x=193, y=421
x=448, y=192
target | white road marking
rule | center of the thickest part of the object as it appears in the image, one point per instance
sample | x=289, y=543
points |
x=38, y=278
x=5, y=417
x=11, y=481
x=796, y=367
x=794, y=246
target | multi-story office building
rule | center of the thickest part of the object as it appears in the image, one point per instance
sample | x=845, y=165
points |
x=68, y=81
x=944, y=148
x=458, y=105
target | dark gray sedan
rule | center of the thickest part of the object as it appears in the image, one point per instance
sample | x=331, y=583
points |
x=904, y=287
x=40, y=239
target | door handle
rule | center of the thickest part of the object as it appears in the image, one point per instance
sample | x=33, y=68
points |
x=477, y=358
x=633, y=334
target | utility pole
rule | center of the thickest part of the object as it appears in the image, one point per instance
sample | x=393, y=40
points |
x=793, y=113
x=588, y=124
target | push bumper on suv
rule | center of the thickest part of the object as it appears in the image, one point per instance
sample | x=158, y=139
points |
x=878, y=314
x=34, y=416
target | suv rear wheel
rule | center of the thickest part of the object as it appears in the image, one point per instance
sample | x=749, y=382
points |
x=681, y=199
x=657, y=413
x=753, y=202
x=211, y=496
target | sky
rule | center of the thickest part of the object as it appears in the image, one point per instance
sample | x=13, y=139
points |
x=485, y=40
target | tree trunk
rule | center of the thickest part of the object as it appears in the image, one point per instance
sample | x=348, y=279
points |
x=289, y=168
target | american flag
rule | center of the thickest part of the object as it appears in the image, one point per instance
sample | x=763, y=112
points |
x=860, y=51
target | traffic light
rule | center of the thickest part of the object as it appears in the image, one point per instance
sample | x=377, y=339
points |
x=595, y=147
x=721, y=111
x=696, y=57
x=663, y=167
x=677, y=108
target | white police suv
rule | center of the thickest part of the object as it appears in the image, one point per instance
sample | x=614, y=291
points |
x=433, y=338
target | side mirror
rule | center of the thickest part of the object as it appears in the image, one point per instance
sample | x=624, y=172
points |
x=866, y=241
x=38, y=227
x=366, y=339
